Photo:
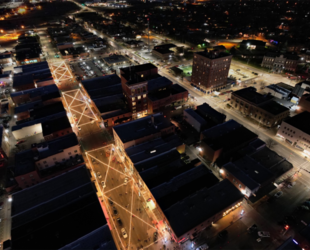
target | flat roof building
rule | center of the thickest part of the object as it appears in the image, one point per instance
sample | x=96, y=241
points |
x=296, y=131
x=224, y=140
x=261, y=108
x=142, y=130
x=50, y=214
x=210, y=70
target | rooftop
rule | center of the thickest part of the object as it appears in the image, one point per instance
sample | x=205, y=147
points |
x=99, y=239
x=231, y=139
x=206, y=111
x=115, y=113
x=196, y=116
x=51, y=126
x=274, y=108
x=165, y=159
x=279, y=89
x=252, y=96
x=142, y=127
x=164, y=172
x=152, y=149
x=110, y=103
x=183, y=185
x=300, y=121
x=162, y=50
x=41, y=91
x=221, y=129
x=31, y=67
x=250, y=171
x=57, y=145
x=158, y=83
x=213, y=54
x=30, y=77
x=278, y=165
x=201, y=205
x=49, y=215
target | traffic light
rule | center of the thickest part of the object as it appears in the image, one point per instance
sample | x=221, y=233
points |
x=286, y=227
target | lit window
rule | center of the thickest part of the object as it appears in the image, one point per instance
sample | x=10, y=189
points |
x=133, y=98
x=134, y=104
x=144, y=95
x=139, y=97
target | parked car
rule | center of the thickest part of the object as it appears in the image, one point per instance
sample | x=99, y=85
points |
x=126, y=180
x=115, y=211
x=119, y=221
x=124, y=233
x=223, y=234
x=278, y=194
x=252, y=228
x=263, y=234
x=110, y=201
x=155, y=236
x=99, y=175
x=103, y=184
x=291, y=184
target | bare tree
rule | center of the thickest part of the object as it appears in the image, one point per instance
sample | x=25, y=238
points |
x=271, y=143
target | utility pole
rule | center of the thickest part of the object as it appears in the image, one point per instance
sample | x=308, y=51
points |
x=148, y=34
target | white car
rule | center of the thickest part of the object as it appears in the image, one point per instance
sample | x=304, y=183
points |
x=263, y=234
x=278, y=194
x=99, y=175
x=4, y=101
x=126, y=180
x=124, y=233
x=103, y=184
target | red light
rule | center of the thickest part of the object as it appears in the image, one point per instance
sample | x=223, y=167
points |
x=286, y=227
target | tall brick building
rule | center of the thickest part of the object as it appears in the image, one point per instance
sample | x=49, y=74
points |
x=147, y=92
x=210, y=70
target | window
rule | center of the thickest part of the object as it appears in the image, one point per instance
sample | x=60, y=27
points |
x=75, y=151
x=69, y=153
x=144, y=95
x=240, y=186
x=134, y=104
x=133, y=99
x=139, y=97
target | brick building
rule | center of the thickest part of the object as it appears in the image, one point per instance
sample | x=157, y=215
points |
x=279, y=62
x=259, y=107
x=135, y=86
x=210, y=70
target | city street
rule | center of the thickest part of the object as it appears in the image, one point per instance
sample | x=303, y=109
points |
x=126, y=207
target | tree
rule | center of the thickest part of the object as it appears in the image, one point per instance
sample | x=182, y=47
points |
x=271, y=143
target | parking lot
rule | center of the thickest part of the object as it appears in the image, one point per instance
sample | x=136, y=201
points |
x=242, y=74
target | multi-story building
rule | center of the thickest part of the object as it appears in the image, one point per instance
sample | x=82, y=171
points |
x=175, y=190
x=42, y=215
x=45, y=160
x=203, y=117
x=253, y=168
x=55, y=128
x=134, y=83
x=280, y=62
x=296, y=131
x=224, y=140
x=210, y=70
x=259, y=107
x=141, y=130
x=32, y=76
